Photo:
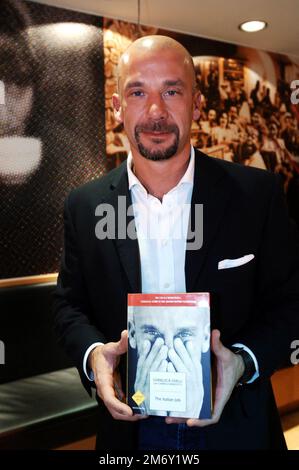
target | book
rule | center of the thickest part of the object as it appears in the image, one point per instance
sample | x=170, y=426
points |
x=168, y=368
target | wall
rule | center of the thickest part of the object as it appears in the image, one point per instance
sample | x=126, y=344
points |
x=58, y=130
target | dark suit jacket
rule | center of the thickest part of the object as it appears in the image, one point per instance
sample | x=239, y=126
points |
x=256, y=303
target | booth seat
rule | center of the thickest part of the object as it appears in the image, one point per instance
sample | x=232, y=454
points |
x=42, y=402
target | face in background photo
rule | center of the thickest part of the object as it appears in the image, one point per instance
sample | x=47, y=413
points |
x=52, y=135
x=20, y=154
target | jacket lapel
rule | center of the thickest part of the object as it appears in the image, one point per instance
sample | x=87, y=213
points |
x=213, y=190
x=127, y=247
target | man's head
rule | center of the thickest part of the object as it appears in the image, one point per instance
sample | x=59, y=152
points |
x=223, y=120
x=256, y=119
x=156, y=97
x=273, y=130
x=288, y=120
x=212, y=115
x=248, y=147
x=233, y=113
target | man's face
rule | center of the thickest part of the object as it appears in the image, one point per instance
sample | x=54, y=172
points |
x=15, y=108
x=212, y=115
x=273, y=131
x=249, y=147
x=156, y=103
x=233, y=112
x=151, y=324
x=288, y=122
x=223, y=119
x=256, y=119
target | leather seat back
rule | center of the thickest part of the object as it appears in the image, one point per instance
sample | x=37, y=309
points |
x=26, y=329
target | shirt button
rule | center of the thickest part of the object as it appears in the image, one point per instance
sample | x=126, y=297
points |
x=166, y=285
x=164, y=242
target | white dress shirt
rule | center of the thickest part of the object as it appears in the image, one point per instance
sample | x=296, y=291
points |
x=161, y=232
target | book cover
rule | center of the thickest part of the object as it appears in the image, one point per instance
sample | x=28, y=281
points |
x=169, y=372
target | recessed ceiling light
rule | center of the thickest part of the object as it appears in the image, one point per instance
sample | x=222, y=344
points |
x=253, y=26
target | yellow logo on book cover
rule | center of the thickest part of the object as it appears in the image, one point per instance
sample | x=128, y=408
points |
x=138, y=397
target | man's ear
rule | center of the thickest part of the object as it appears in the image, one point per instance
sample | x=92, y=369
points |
x=132, y=335
x=206, y=338
x=196, y=104
x=117, y=108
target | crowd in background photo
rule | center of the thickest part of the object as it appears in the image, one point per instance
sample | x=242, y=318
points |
x=247, y=128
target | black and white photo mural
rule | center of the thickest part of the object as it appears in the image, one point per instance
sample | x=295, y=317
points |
x=52, y=129
x=245, y=114
x=57, y=128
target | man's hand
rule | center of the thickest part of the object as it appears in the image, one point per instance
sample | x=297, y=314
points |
x=151, y=359
x=184, y=359
x=103, y=360
x=230, y=368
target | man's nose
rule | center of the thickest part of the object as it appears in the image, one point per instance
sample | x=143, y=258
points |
x=168, y=339
x=157, y=108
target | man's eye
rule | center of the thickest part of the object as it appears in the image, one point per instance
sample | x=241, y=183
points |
x=184, y=335
x=172, y=92
x=137, y=93
x=152, y=332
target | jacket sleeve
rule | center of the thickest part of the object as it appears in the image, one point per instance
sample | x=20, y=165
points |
x=72, y=323
x=275, y=320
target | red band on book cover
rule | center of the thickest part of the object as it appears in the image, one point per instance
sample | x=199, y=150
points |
x=171, y=300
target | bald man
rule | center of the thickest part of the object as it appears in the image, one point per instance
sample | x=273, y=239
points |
x=130, y=232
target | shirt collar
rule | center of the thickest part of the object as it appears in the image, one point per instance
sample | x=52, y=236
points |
x=188, y=177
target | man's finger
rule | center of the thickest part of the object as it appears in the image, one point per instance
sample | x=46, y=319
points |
x=218, y=408
x=117, y=385
x=215, y=342
x=170, y=367
x=122, y=344
x=132, y=418
x=116, y=406
x=182, y=351
x=200, y=422
x=170, y=420
x=217, y=347
x=121, y=411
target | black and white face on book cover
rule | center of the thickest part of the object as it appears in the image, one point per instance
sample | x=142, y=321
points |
x=169, y=354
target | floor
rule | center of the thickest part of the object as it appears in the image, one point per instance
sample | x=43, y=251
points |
x=290, y=424
x=86, y=444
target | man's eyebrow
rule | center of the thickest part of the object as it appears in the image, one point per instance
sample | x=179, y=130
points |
x=149, y=325
x=135, y=84
x=191, y=329
x=177, y=82
x=138, y=83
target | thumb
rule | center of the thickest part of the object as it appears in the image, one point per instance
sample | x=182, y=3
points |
x=216, y=345
x=122, y=344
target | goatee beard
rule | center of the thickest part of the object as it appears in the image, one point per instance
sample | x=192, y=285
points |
x=156, y=155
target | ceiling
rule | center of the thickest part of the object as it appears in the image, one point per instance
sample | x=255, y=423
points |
x=215, y=19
